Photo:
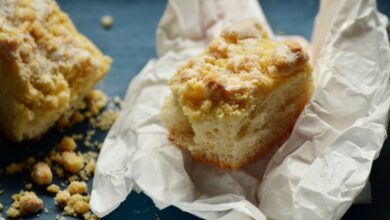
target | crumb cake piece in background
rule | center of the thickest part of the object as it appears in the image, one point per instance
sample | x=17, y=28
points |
x=46, y=67
x=238, y=98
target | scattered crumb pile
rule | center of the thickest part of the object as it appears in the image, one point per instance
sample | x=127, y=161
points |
x=74, y=200
x=67, y=163
x=25, y=203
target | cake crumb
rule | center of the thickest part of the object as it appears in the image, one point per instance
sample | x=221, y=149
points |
x=41, y=174
x=14, y=168
x=73, y=178
x=46, y=210
x=28, y=186
x=73, y=201
x=74, y=205
x=77, y=136
x=53, y=188
x=67, y=144
x=76, y=187
x=90, y=167
x=105, y=120
x=88, y=138
x=90, y=216
x=60, y=217
x=25, y=203
x=96, y=100
x=107, y=21
x=117, y=101
x=71, y=162
x=59, y=171
x=30, y=161
x=83, y=175
x=13, y=212
x=77, y=117
x=62, y=198
x=77, y=205
x=63, y=122
x=66, y=121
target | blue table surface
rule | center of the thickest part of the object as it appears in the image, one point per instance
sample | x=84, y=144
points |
x=131, y=43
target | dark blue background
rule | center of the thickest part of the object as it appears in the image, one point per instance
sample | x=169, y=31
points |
x=131, y=43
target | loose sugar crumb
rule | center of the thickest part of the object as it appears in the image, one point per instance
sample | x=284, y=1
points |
x=77, y=117
x=62, y=198
x=14, y=168
x=41, y=174
x=71, y=162
x=67, y=144
x=28, y=186
x=106, y=120
x=76, y=187
x=90, y=216
x=96, y=100
x=53, y=188
x=107, y=21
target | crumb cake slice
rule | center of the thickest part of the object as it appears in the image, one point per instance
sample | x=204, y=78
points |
x=46, y=67
x=238, y=98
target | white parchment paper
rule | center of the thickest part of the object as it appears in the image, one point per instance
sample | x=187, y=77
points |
x=320, y=169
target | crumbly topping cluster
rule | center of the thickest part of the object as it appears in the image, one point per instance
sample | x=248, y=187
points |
x=240, y=64
x=73, y=199
x=25, y=203
x=66, y=162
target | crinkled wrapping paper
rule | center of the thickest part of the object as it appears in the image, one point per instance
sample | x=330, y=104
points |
x=319, y=170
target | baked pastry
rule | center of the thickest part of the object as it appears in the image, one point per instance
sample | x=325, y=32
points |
x=238, y=98
x=46, y=67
